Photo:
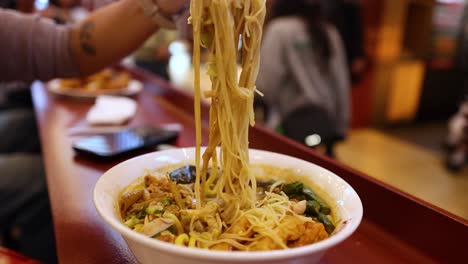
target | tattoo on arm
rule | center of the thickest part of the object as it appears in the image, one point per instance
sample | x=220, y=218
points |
x=86, y=38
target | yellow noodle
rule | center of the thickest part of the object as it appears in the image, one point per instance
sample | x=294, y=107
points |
x=221, y=201
x=182, y=240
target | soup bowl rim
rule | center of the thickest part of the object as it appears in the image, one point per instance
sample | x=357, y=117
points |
x=195, y=253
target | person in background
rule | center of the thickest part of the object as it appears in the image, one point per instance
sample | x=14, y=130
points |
x=345, y=15
x=304, y=74
x=102, y=39
x=15, y=102
x=25, y=218
x=36, y=48
x=457, y=139
x=153, y=55
x=11, y=93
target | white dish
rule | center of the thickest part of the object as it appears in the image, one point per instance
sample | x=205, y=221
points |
x=345, y=200
x=134, y=87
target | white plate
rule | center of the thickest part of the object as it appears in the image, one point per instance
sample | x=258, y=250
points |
x=343, y=198
x=134, y=87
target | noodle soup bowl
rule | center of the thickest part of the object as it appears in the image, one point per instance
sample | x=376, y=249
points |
x=344, y=201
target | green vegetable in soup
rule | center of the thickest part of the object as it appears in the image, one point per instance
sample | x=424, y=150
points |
x=312, y=208
x=329, y=226
x=311, y=196
x=293, y=188
x=315, y=207
x=297, y=190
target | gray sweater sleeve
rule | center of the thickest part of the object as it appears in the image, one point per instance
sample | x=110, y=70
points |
x=34, y=48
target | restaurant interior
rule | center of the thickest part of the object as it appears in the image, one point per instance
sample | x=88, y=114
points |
x=403, y=150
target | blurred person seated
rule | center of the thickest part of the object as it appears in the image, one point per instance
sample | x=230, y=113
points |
x=15, y=94
x=36, y=48
x=22, y=184
x=345, y=15
x=457, y=139
x=16, y=113
x=304, y=75
x=152, y=56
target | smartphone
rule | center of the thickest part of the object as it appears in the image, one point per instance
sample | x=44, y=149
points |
x=118, y=144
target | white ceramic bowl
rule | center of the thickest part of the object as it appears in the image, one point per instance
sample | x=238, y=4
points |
x=147, y=250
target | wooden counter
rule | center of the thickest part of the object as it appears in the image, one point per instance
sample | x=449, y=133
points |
x=396, y=228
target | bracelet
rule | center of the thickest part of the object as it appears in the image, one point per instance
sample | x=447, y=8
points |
x=152, y=11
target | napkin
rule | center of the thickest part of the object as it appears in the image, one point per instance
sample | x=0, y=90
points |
x=111, y=110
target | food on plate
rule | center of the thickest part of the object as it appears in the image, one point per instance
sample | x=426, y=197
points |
x=107, y=79
x=287, y=212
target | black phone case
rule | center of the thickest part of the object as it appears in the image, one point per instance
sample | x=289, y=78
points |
x=112, y=146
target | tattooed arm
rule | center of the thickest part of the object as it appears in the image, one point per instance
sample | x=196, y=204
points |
x=109, y=34
x=35, y=48
x=113, y=32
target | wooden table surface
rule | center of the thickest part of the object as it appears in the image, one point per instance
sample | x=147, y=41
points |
x=83, y=237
